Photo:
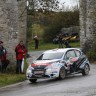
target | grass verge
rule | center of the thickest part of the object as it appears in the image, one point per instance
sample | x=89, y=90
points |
x=47, y=46
x=10, y=77
x=7, y=79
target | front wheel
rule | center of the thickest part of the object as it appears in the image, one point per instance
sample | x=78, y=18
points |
x=32, y=80
x=86, y=69
x=62, y=73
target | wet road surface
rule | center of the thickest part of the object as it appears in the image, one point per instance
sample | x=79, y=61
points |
x=76, y=85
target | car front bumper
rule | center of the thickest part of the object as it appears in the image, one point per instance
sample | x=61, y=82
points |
x=46, y=74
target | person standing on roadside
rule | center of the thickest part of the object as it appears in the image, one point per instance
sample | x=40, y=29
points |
x=3, y=53
x=67, y=44
x=36, y=39
x=20, y=55
x=60, y=41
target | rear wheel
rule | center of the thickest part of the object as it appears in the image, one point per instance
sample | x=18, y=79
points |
x=32, y=80
x=62, y=73
x=85, y=70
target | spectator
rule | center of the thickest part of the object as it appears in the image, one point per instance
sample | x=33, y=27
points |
x=3, y=53
x=20, y=55
x=67, y=44
x=60, y=41
x=36, y=39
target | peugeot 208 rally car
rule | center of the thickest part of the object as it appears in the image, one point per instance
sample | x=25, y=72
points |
x=58, y=63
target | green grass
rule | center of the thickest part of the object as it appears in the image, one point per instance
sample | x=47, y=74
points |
x=7, y=79
x=47, y=46
x=10, y=77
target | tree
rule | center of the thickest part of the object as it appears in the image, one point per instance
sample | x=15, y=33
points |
x=45, y=5
x=39, y=6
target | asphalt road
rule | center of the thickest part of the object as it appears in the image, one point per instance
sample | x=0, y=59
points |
x=76, y=85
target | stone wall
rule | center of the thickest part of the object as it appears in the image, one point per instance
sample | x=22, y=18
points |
x=87, y=22
x=22, y=12
x=12, y=26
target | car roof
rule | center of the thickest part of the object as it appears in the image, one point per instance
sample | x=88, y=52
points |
x=60, y=50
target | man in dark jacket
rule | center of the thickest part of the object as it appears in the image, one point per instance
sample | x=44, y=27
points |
x=3, y=53
x=67, y=44
x=36, y=39
x=20, y=55
x=60, y=41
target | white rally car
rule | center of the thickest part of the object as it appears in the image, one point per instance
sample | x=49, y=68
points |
x=58, y=63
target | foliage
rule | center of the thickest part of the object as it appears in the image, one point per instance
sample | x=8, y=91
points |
x=37, y=30
x=44, y=12
x=51, y=32
x=90, y=51
x=29, y=26
x=44, y=5
x=60, y=20
x=67, y=19
x=91, y=55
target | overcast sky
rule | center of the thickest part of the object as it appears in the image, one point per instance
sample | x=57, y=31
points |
x=69, y=2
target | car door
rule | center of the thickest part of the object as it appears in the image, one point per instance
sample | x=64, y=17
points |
x=69, y=57
x=81, y=58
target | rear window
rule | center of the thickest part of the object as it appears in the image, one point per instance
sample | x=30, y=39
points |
x=50, y=56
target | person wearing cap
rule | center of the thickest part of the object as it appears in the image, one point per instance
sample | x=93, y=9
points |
x=3, y=53
x=20, y=55
x=36, y=39
x=60, y=41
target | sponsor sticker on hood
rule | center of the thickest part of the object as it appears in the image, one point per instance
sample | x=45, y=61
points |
x=40, y=64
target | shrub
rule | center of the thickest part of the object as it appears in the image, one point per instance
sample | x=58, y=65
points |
x=89, y=50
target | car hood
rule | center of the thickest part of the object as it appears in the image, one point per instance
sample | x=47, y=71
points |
x=43, y=63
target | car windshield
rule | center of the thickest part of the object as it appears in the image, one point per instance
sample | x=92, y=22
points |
x=50, y=56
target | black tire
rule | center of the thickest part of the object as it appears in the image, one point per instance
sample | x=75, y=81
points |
x=32, y=80
x=62, y=73
x=86, y=69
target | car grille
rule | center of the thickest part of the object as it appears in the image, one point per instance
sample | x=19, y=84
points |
x=39, y=72
x=39, y=67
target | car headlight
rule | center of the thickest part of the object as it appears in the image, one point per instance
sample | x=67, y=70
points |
x=50, y=67
x=29, y=69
